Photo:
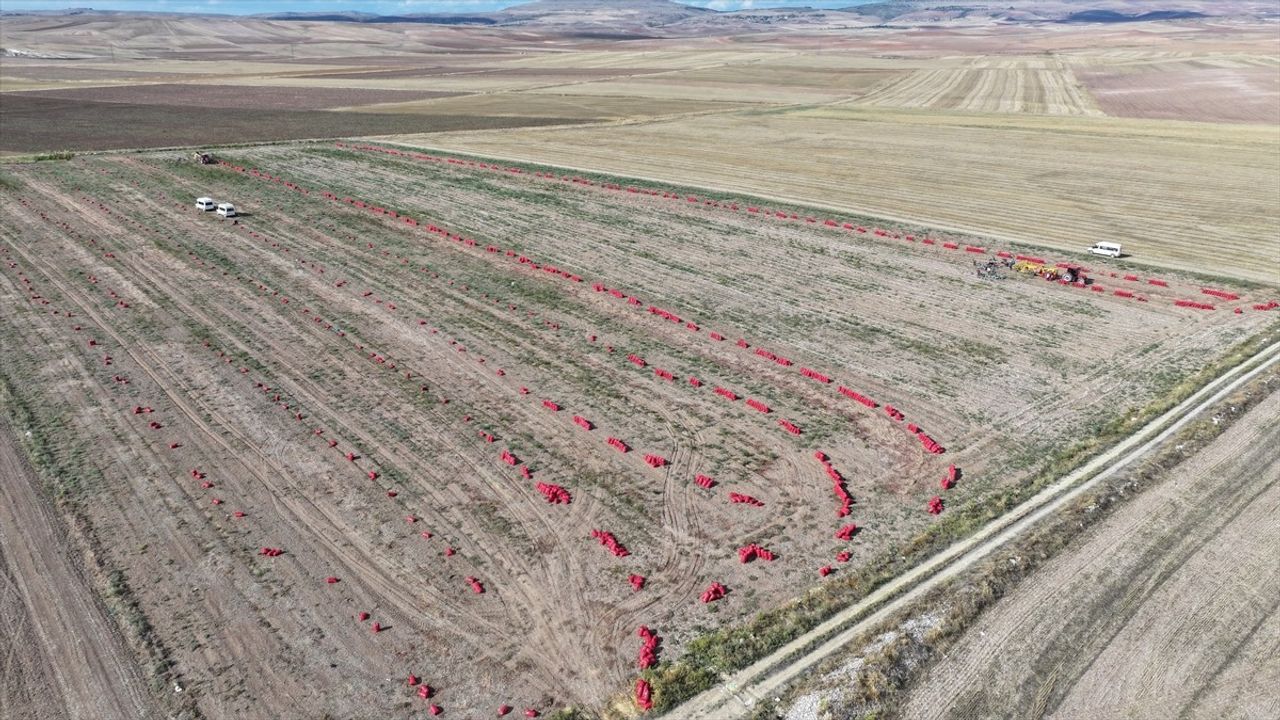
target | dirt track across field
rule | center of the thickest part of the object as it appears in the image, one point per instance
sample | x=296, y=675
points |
x=1168, y=610
x=60, y=655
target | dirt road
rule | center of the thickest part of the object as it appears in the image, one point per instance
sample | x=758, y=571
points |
x=60, y=655
x=739, y=693
x=1168, y=610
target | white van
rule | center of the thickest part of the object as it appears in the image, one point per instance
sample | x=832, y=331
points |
x=1109, y=249
x=205, y=203
x=226, y=210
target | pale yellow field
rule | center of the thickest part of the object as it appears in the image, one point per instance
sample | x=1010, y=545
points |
x=665, y=59
x=661, y=89
x=1014, y=85
x=1184, y=195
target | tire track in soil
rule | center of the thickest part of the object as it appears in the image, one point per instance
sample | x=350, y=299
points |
x=171, y=539
x=544, y=635
x=963, y=438
x=689, y=586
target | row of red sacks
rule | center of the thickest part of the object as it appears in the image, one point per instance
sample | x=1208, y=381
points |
x=837, y=482
x=617, y=293
x=784, y=423
x=653, y=460
x=754, y=210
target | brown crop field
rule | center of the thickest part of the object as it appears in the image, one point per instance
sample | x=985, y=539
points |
x=362, y=432
x=1168, y=609
x=39, y=124
x=239, y=97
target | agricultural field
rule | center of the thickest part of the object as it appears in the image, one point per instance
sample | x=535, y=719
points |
x=421, y=430
x=1185, y=196
x=1167, y=609
x=1026, y=85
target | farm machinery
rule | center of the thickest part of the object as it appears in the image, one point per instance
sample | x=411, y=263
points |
x=1065, y=273
x=989, y=270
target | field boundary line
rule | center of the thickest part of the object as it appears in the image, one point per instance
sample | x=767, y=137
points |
x=737, y=695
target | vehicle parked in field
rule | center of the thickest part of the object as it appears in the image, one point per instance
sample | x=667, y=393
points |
x=205, y=203
x=1109, y=249
x=226, y=210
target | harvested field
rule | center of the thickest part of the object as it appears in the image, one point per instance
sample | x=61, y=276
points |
x=422, y=433
x=324, y=409
x=239, y=97
x=32, y=71
x=452, y=83
x=662, y=91
x=657, y=59
x=1033, y=86
x=1181, y=195
x=1168, y=609
x=17, y=76
x=1247, y=94
x=37, y=124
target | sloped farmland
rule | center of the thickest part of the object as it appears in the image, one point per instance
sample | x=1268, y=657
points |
x=418, y=432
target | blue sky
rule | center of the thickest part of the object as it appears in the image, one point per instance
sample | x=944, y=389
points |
x=385, y=7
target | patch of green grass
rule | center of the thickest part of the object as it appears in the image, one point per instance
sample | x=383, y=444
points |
x=64, y=155
x=10, y=183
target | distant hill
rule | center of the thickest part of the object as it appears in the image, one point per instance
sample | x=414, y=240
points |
x=632, y=19
x=608, y=18
x=359, y=17
x=1110, y=16
x=915, y=12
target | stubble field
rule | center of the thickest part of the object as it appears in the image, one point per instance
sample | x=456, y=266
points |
x=211, y=379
